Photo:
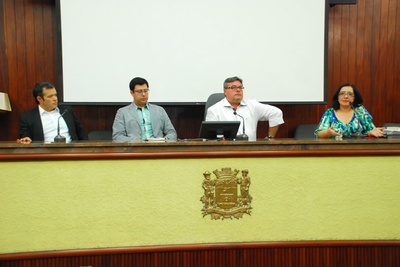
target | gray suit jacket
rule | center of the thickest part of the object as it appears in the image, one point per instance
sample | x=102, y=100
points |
x=126, y=127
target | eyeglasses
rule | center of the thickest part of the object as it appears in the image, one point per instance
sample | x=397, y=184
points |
x=234, y=87
x=142, y=91
x=346, y=93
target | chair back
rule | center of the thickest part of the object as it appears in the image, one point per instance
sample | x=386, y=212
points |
x=305, y=131
x=100, y=135
x=212, y=99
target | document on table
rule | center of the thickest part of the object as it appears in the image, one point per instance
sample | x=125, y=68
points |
x=392, y=131
x=155, y=139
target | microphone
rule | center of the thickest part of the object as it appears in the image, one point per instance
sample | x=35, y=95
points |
x=243, y=136
x=358, y=134
x=59, y=138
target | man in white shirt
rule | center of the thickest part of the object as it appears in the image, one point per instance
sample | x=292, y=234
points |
x=234, y=108
x=42, y=122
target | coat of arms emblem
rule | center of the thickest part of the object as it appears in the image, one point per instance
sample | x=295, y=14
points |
x=221, y=197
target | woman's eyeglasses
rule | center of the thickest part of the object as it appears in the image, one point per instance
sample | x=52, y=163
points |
x=346, y=93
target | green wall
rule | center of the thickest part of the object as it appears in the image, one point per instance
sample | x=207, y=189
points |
x=56, y=205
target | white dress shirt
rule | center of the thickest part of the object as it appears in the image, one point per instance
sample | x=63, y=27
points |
x=50, y=125
x=251, y=110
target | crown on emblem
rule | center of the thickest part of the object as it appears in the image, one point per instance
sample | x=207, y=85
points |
x=225, y=173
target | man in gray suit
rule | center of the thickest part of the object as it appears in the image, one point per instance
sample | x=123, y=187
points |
x=141, y=120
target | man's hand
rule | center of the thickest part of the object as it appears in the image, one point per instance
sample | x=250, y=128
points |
x=24, y=140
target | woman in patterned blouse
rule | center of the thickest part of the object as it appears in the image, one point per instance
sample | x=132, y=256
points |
x=347, y=116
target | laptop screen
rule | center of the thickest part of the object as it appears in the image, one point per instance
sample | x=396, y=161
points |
x=219, y=129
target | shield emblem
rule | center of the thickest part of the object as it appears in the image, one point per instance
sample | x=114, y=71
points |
x=221, y=197
x=226, y=193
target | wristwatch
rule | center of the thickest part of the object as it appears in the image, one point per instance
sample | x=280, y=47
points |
x=270, y=137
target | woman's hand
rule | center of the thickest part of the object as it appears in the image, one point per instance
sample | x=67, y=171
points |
x=377, y=132
x=332, y=132
x=328, y=133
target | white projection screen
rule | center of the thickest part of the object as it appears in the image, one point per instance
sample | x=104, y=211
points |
x=185, y=49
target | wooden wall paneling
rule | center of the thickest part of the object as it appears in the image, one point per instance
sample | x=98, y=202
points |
x=39, y=43
x=84, y=116
x=79, y=112
x=298, y=114
x=377, y=52
x=105, y=118
x=362, y=38
x=383, y=86
x=285, y=129
x=3, y=52
x=381, y=52
x=11, y=63
x=396, y=77
x=334, y=47
x=45, y=43
x=5, y=118
x=344, y=45
x=186, y=119
x=31, y=47
x=289, y=112
x=96, y=117
x=352, y=41
x=51, y=51
x=21, y=55
x=331, y=55
x=389, y=92
x=28, y=45
x=367, y=67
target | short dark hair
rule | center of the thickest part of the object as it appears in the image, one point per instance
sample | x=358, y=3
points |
x=232, y=79
x=358, y=100
x=137, y=81
x=38, y=89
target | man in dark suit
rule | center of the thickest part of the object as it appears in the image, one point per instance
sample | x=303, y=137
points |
x=42, y=122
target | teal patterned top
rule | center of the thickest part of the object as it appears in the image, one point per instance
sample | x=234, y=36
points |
x=362, y=121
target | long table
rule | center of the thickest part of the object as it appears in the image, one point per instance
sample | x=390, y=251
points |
x=10, y=151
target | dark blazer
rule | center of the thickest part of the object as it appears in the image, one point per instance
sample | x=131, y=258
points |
x=30, y=124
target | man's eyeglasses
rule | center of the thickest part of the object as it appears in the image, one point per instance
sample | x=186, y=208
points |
x=142, y=91
x=346, y=93
x=234, y=87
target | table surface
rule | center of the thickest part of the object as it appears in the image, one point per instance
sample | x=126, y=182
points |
x=194, y=148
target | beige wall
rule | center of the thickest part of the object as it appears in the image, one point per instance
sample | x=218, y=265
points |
x=54, y=205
